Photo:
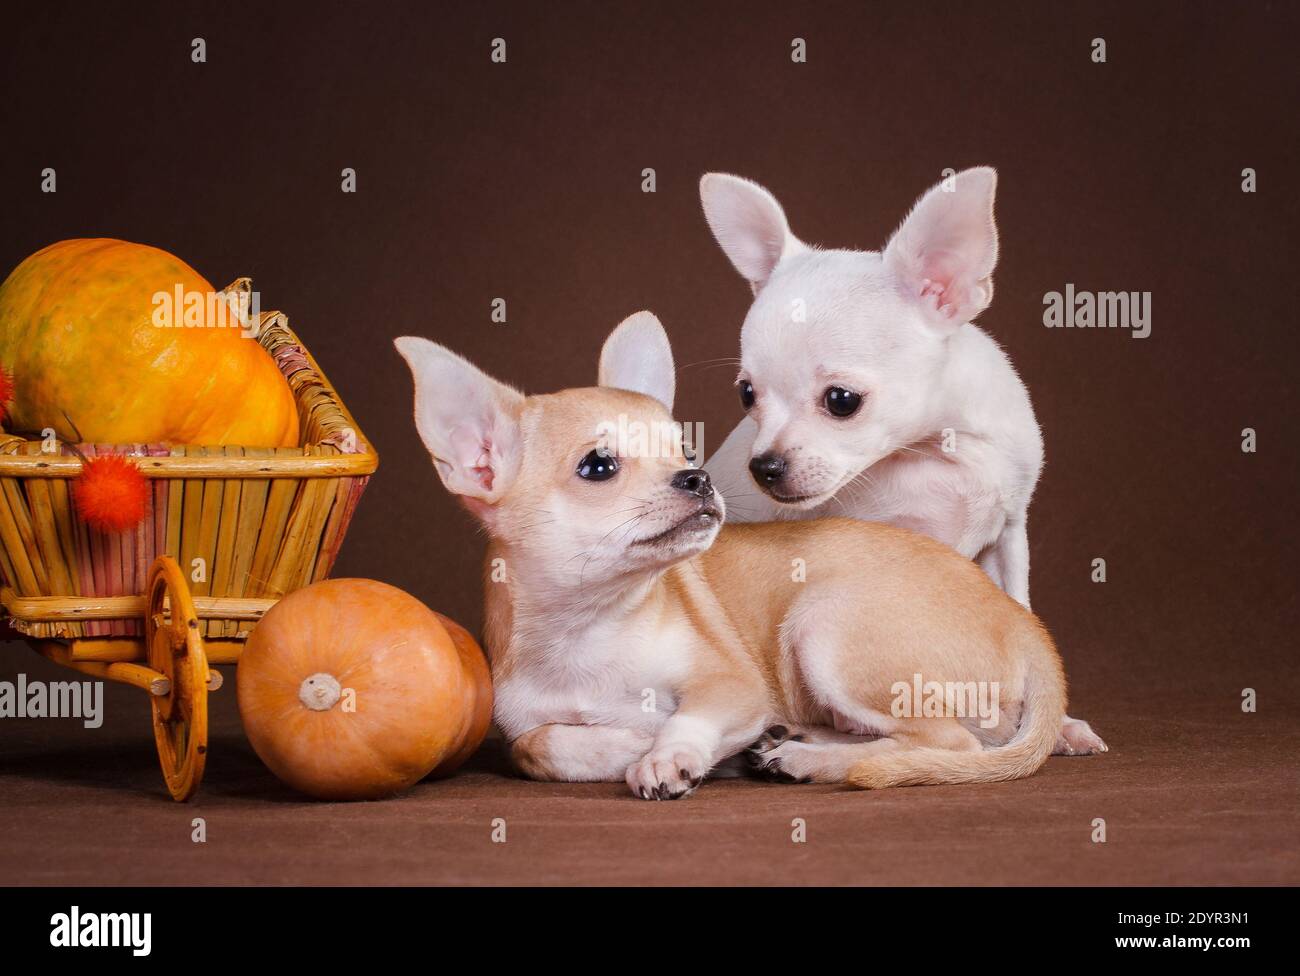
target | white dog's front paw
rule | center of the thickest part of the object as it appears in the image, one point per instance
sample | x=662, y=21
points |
x=1078, y=739
x=667, y=773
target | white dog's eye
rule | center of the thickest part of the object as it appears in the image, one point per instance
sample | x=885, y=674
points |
x=841, y=402
x=746, y=390
x=597, y=466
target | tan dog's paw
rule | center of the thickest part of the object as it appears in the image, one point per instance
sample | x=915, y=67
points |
x=768, y=758
x=1078, y=739
x=667, y=774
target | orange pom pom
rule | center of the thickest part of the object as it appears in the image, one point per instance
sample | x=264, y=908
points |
x=111, y=493
x=6, y=392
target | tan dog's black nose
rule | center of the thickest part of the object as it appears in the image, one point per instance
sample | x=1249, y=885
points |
x=767, y=469
x=694, y=481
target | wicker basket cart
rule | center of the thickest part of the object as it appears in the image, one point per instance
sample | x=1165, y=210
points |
x=230, y=530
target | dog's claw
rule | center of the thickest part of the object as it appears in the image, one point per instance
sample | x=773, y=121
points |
x=771, y=769
x=668, y=774
x=1078, y=739
x=759, y=755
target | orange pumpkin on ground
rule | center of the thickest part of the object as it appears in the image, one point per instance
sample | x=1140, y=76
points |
x=480, y=719
x=352, y=689
x=78, y=337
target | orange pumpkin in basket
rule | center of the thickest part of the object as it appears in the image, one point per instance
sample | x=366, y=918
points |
x=352, y=689
x=134, y=346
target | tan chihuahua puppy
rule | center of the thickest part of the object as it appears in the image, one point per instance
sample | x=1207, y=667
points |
x=633, y=637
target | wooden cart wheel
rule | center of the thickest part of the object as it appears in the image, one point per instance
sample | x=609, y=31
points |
x=180, y=718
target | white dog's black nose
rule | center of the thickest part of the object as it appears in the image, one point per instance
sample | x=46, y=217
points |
x=694, y=481
x=767, y=469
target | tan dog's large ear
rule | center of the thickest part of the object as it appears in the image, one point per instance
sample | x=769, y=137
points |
x=467, y=420
x=748, y=224
x=637, y=357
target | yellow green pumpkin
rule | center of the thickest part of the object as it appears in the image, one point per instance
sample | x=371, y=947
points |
x=79, y=335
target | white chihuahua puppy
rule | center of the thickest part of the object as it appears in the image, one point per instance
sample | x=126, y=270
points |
x=632, y=637
x=869, y=393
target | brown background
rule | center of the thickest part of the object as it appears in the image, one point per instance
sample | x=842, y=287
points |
x=478, y=180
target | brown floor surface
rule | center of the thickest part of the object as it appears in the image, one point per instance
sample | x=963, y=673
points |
x=1191, y=800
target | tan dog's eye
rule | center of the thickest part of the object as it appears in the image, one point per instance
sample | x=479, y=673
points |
x=597, y=466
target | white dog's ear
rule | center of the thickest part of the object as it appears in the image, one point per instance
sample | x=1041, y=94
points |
x=637, y=357
x=467, y=420
x=748, y=224
x=945, y=251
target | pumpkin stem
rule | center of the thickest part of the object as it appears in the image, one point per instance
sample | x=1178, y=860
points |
x=320, y=691
x=76, y=436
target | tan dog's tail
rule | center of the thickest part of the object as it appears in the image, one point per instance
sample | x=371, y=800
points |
x=1044, y=708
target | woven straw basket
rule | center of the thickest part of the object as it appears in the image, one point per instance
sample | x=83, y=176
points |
x=246, y=525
